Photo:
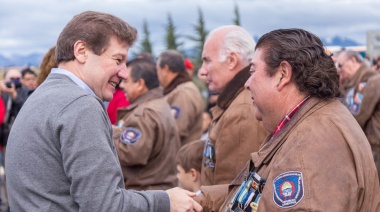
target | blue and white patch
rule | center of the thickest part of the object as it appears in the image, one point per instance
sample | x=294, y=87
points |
x=130, y=135
x=209, y=155
x=175, y=111
x=288, y=189
x=354, y=100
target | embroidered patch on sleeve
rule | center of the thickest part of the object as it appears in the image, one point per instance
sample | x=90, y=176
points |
x=130, y=135
x=175, y=111
x=288, y=189
x=354, y=100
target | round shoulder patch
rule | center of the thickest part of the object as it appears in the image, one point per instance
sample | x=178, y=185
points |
x=175, y=111
x=288, y=189
x=130, y=135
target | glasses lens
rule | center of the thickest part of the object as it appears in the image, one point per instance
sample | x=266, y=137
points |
x=338, y=65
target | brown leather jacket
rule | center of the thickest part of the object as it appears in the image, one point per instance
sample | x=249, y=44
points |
x=234, y=134
x=147, y=143
x=362, y=98
x=323, y=144
x=187, y=107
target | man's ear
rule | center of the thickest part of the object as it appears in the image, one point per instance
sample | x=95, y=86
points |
x=141, y=84
x=284, y=74
x=80, y=51
x=232, y=60
x=195, y=175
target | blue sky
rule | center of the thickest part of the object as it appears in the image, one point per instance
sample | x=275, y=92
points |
x=33, y=26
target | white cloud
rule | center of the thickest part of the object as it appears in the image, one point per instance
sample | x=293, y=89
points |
x=33, y=26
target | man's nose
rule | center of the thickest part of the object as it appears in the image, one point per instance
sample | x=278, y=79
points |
x=123, y=72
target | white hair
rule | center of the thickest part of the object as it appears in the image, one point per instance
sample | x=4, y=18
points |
x=237, y=40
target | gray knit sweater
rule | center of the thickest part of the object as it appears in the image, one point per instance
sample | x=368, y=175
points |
x=60, y=156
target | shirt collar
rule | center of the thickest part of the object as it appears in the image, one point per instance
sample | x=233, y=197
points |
x=74, y=78
x=289, y=116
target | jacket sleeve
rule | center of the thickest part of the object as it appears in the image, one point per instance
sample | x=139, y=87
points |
x=371, y=98
x=245, y=138
x=183, y=105
x=139, y=151
x=212, y=197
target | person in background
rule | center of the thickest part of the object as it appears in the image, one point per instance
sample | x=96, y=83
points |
x=147, y=140
x=182, y=95
x=234, y=132
x=28, y=78
x=146, y=56
x=64, y=124
x=362, y=96
x=14, y=96
x=315, y=148
x=118, y=101
x=47, y=63
x=189, y=162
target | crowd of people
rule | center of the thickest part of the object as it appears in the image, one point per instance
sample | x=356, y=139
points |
x=287, y=126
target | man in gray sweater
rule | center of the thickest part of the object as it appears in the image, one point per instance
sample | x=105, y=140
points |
x=61, y=155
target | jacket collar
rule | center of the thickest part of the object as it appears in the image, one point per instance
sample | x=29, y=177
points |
x=233, y=88
x=151, y=94
x=182, y=77
x=271, y=146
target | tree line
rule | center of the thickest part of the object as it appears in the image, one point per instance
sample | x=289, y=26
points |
x=172, y=37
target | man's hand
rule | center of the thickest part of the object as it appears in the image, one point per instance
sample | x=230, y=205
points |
x=181, y=200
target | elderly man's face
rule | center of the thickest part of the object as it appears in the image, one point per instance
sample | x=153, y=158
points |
x=344, y=65
x=215, y=71
x=12, y=74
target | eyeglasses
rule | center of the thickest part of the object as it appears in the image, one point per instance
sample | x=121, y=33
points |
x=340, y=65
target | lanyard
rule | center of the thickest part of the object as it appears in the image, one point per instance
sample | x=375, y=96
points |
x=248, y=194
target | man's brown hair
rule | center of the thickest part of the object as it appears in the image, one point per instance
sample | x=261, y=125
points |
x=313, y=71
x=190, y=155
x=96, y=30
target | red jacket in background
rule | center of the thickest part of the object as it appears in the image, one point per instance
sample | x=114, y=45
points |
x=118, y=101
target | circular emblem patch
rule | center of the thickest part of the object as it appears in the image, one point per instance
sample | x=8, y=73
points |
x=288, y=189
x=130, y=135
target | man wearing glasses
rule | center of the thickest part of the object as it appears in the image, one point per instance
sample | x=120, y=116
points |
x=362, y=96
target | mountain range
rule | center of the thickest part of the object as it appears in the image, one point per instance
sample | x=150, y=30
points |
x=35, y=59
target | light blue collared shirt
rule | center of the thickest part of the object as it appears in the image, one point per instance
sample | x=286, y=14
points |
x=74, y=78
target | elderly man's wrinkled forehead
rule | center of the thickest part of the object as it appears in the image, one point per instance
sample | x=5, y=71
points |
x=12, y=73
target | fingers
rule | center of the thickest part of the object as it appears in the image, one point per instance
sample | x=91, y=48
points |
x=189, y=193
x=197, y=207
x=181, y=200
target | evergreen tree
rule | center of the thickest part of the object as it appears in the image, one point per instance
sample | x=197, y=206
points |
x=171, y=36
x=199, y=39
x=236, y=20
x=146, y=44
